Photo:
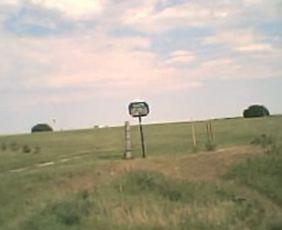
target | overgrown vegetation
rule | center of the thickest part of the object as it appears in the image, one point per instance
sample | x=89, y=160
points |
x=264, y=173
x=149, y=200
x=90, y=187
x=19, y=148
x=210, y=145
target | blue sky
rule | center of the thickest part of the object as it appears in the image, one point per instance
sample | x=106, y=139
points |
x=80, y=62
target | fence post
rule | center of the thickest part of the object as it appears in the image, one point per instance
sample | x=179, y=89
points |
x=194, y=135
x=127, y=152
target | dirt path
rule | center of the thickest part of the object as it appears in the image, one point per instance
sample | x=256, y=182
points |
x=198, y=166
x=76, y=156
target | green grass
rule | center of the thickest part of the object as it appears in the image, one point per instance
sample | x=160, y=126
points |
x=172, y=138
x=89, y=192
x=149, y=200
x=263, y=174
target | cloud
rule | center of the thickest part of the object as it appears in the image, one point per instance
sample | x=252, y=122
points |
x=190, y=14
x=94, y=60
x=255, y=48
x=216, y=14
x=242, y=40
x=180, y=57
x=81, y=9
x=84, y=58
x=9, y=2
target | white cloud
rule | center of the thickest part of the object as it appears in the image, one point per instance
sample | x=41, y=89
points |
x=96, y=59
x=255, y=48
x=112, y=65
x=180, y=57
x=146, y=17
x=242, y=40
x=77, y=9
x=9, y=2
x=219, y=68
x=182, y=15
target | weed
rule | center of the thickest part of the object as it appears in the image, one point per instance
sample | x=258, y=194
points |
x=263, y=140
x=3, y=146
x=26, y=149
x=152, y=182
x=62, y=214
x=67, y=212
x=210, y=145
x=263, y=174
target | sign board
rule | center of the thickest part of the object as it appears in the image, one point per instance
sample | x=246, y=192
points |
x=138, y=109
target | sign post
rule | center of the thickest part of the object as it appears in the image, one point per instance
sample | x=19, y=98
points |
x=140, y=109
x=142, y=138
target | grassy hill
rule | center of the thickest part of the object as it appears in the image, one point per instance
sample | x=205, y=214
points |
x=78, y=180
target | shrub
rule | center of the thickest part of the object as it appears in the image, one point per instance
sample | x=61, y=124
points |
x=268, y=143
x=41, y=128
x=256, y=111
x=263, y=140
x=3, y=146
x=210, y=145
x=26, y=149
x=65, y=214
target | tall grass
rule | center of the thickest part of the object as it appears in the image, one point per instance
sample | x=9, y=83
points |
x=82, y=194
x=264, y=173
x=149, y=200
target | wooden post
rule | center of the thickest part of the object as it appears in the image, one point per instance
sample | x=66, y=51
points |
x=212, y=132
x=127, y=152
x=208, y=132
x=194, y=135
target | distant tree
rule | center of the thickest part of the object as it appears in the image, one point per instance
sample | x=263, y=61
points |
x=41, y=128
x=256, y=111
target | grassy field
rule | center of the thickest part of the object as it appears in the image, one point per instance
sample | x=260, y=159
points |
x=78, y=180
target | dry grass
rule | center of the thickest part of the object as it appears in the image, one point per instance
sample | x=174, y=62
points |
x=201, y=166
x=204, y=166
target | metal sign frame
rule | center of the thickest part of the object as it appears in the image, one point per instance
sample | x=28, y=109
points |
x=140, y=109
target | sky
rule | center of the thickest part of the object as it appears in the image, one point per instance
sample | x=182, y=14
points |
x=79, y=63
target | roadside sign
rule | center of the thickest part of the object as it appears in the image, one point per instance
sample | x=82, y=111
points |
x=140, y=109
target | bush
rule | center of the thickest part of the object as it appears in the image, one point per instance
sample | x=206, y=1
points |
x=256, y=111
x=41, y=128
x=3, y=146
x=263, y=140
x=65, y=214
x=26, y=149
x=210, y=145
